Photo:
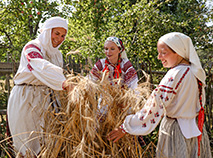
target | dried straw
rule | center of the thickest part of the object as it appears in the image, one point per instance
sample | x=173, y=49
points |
x=80, y=130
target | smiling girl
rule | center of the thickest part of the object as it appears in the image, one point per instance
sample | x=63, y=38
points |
x=178, y=99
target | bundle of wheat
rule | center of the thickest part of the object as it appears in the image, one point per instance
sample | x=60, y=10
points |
x=87, y=115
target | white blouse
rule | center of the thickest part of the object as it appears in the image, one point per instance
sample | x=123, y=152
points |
x=36, y=69
x=177, y=96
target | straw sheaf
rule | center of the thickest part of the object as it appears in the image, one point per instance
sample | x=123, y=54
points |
x=80, y=129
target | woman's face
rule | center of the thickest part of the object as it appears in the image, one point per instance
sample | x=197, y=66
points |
x=167, y=56
x=111, y=51
x=58, y=36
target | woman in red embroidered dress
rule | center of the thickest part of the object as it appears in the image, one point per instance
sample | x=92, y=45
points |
x=118, y=66
x=179, y=97
x=40, y=71
x=117, y=63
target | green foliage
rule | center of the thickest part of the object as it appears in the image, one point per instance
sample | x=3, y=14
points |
x=20, y=23
x=138, y=23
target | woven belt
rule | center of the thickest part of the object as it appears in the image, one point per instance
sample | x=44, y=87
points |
x=26, y=84
x=171, y=117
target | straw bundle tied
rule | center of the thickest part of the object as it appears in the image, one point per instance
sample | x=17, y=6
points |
x=80, y=129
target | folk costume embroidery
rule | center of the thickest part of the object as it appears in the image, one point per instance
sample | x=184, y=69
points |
x=40, y=66
x=170, y=99
x=36, y=69
x=125, y=70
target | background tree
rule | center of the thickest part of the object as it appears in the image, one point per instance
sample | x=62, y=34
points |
x=139, y=24
x=19, y=23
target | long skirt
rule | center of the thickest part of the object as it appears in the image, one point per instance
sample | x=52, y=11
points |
x=26, y=106
x=172, y=143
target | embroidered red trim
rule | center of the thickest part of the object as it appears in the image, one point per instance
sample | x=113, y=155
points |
x=127, y=65
x=153, y=121
x=29, y=67
x=144, y=125
x=32, y=46
x=122, y=129
x=163, y=90
x=182, y=78
x=99, y=65
x=165, y=86
x=33, y=55
x=94, y=71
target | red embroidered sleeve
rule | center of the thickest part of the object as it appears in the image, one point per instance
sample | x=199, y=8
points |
x=127, y=65
x=31, y=46
x=95, y=72
x=97, y=68
x=32, y=54
x=99, y=65
x=130, y=75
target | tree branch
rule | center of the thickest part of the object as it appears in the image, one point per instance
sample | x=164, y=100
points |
x=8, y=37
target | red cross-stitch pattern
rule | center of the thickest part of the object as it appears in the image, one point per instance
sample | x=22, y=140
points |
x=32, y=46
x=163, y=90
x=127, y=65
x=122, y=129
x=130, y=75
x=153, y=121
x=33, y=55
x=141, y=118
x=171, y=79
x=167, y=98
x=144, y=125
x=165, y=87
x=156, y=114
x=99, y=65
x=95, y=72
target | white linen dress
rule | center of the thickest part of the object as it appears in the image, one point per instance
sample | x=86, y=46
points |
x=38, y=73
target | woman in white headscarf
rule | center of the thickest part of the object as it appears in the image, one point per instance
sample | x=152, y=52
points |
x=180, y=98
x=39, y=72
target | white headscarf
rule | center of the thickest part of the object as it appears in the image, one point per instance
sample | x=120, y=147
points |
x=119, y=43
x=53, y=54
x=183, y=46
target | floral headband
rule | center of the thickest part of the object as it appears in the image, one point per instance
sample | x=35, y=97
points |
x=117, y=41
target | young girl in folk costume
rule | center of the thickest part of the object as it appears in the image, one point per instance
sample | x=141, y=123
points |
x=117, y=64
x=180, y=98
x=40, y=70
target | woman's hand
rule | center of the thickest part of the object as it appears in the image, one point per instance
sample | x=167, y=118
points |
x=68, y=87
x=115, y=134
